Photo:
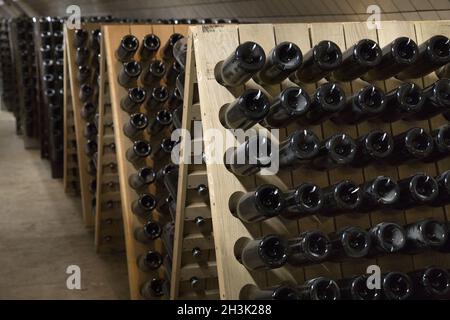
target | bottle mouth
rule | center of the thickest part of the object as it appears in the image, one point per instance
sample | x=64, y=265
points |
x=342, y=148
x=85, y=70
x=379, y=143
x=137, y=95
x=148, y=202
x=439, y=48
x=348, y=195
x=153, y=259
x=359, y=288
x=367, y=52
x=397, y=286
x=139, y=121
x=142, y=148
x=130, y=43
x=89, y=107
x=418, y=142
x=296, y=100
x=86, y=89
x=168, y=169
x=309, y=197
x=132, y=68
x=410, y=97
x=152, y=229
x=356, y=242
x=393, y=237
x=327, y=55
x=434, y=232
x=437, y=280
x=269, y=199
x=251, y=56
x=386, y=189
x=167, y=145
x=254, y=104
x=285, y=292
x=424, y=188
x=157, y=68
x=288, y=55
x=273, y=250
x=371, y=99
x=147, y=175
x=331, y=97
x=46, y=48
x=405, y=50
x=164, y=117
x=318, y=245
x=160, y=93
x=325, y=289
x=442, y=92
x=151, y=42
x=174, y=38
x=305, y=144
x=48, y=77
x=443, y=137
x=97, y=33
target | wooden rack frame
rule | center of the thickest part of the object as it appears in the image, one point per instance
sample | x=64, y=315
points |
x=214, y=43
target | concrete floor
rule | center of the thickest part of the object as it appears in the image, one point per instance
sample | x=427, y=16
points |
x=41, y=232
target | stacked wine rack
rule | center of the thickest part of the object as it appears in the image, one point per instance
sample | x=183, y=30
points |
x=7, y=69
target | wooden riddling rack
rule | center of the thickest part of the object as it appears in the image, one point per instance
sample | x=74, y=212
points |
x=215, y=43
x=112, y=35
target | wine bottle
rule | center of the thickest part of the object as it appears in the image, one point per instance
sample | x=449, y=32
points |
x=305, y=200
x=172, y=73
x=175, y=99
x=154, y=288
x=144, y=205
x=150, y=46
x=373, y=147
x=127, y=48
x=246, y=111
x=279, y=292
x=418, y=189
x=247, y=60
x=162, y=120
x=443, y=197
x=433, y=53
x=92, y=186
x=129, y=74
x=367, y=103
x=427, y=234
x=357, y=60
x=341, y=197
x=135, y=97
x=96, y=36
x=411, y=145
x=387, y=237
x=320, y=288
x=142, y=178
x=90, y=130
x=349, y=243
x=151, y=260
x=329, y=98
x=135, y=126
x=308, y=248
x=157, y=99
x=163, y=151
x=444, y=72
x=91, y=147
x=163, y=172
x=46, y=51
x=379, y=193
x=265, y=202
x=86, y=92
x=154, y=73
x=83, y=74
x=396, y=57
x=441, y=138
x=80, y=37
x=137, y=153
x=167, y=50
x=396, y=286
x=320, y=61
x=171, y=182
x=269, y=252
x=281, y=62
x=82, y=56
x=250, y=157
x=289, y=105
x=431, y=283
x=337, y=150
x=356, y=289
x=298, y=149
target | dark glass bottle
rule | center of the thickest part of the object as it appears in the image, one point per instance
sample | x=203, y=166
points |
x=250, y=157
x=137, y=153
x=129, y=74
x=341, y=197
x=154, y=288
x=93, y=186
x=387, y=237
x=412, y=145
x=83, y=74
x=171, y=182
x=265, y=202
x=433, y=53
x=305, y=200
x=247, y=60
x=444, y=72
x=86, y=92
x=279, y=292
x=164, y=149
x=396, y=286
x=144, y=205
x=431, y=283
x=150, y=46
x=321, y=289
x=357, y=60
x=349, y=243
x=46, y=51
x=308, y=248
x=172, y=73
x=338, y=150
x=151, y=260
x=298, y=149
x=127, y=48
x=167, y=50
x=416, y=190
x=90, y=130
x=356, y=289
x=378, y=193
x=396, y=57
x=142, y=178
x=270, y=252
x=80, y=37
x=320, y=61
x=162, y=120
x=289, y=105
x=443, y=197
x=327, y=100
x=441, y=138
x=135, y=126
x=281, y=62
x=135, y=97
x=175, y=99
x=437, y=101
x=96, y=36
x=163, y=172
x=427, y=234
x=82, y=56
x=154, y=73
x=247, y=110
x=91, y=147
x=157, y=99
x=372, y=147
x=367, y=103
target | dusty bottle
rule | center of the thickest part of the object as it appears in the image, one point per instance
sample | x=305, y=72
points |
x=298, y=149
x=427, y=234
x=308, y=248
x=144, y=205
x=127, y=48
x=137, y=153
x=431, y=283
x=132, y=101
x=321, y=289
x=379, y=193
x=337, y=150
x=154, y=73
x=167, y=49
x=162, y=120
x=163, y=150
x=374, y=146
x=270, y=252
x=129, y=74
x=387, y=237
x=279, y=292
x=349, y=243
x=396, y=286
x=135, y=126
x=412, y=145
x=441, y=138
x=418, y=189
x=157, y=98
x=142, y=178
x=340, y=198
x=356, y=289
x=151, y=260
x=150, y=46
x=305, y=200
